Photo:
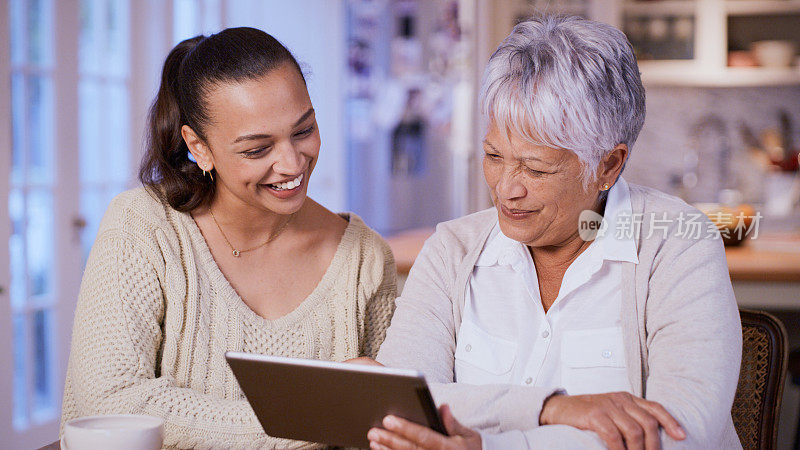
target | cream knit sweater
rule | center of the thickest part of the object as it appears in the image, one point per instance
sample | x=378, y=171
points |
x=155, y=316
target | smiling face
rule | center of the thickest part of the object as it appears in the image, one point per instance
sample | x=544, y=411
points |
x=262, y=141
x=537, y=190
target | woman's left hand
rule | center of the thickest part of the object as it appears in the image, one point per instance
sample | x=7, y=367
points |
x=400, y=434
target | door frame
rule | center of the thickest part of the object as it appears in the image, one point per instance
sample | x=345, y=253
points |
x=6, y=334
x=66, y=202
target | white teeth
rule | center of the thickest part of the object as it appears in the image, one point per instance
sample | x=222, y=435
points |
x=289, y=184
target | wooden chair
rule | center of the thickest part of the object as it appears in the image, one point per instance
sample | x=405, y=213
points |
x=794, y=373
x=758, y=396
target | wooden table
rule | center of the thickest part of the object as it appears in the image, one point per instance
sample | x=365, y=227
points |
x=767, y=258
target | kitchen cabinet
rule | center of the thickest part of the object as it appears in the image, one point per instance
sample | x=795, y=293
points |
x=681, y=42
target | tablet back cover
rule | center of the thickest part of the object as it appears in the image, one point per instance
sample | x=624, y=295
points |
x=328, y=405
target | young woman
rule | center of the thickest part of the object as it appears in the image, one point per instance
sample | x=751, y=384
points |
x=222, y=252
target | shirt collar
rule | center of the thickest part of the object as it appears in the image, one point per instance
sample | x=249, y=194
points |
x=617, y=246
x=499, y=249
x=502, y=250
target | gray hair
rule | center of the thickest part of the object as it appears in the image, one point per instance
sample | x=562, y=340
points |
x=566, y=82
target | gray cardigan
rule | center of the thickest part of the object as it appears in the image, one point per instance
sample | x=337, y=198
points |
x=679, y=318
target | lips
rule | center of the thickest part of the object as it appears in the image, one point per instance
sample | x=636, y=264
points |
x=288, y=184
x=516, y=214
x=286, y=189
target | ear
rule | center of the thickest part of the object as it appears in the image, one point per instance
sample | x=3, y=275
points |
x=198, y=149
x=611, y=166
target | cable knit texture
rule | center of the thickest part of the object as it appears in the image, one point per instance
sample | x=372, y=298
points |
x=156, y=315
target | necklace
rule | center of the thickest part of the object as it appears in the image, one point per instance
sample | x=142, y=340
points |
x=236, y=252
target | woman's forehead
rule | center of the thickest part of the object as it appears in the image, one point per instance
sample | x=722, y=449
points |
x=524, y=150
x=276, y=100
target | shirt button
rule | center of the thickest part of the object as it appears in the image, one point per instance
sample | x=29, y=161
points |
x=606, y=354
x=529, y=380
x=545, y=333
x=468, y=348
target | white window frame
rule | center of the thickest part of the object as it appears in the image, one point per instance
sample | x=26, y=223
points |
x=150, y=41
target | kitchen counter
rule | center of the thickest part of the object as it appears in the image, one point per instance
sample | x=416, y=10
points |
x=768, y=258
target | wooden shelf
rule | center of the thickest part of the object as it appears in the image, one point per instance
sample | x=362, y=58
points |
x=761, y=7
x=732, y=7
x=661, y=8
x=689, y=74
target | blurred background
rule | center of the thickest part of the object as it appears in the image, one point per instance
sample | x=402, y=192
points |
x=394, y=84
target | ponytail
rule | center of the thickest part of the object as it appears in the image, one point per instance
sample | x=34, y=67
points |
x=166, y=169
x=234, y=54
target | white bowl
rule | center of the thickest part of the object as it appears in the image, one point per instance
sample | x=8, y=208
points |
x=121, y=431
x=774, y=53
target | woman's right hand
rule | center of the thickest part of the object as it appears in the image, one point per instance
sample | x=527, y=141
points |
x=363, y=360
x=620, y=419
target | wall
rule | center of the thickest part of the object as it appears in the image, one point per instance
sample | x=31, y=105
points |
x=666, y=138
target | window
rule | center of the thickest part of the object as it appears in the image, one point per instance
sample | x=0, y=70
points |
x=103, y=92
x=39, y=183
x=194, y=17
x=30, y=206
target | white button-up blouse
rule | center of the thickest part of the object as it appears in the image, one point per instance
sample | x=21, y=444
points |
x=506, y=336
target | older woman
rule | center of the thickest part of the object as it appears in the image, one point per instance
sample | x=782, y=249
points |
x=538, y=334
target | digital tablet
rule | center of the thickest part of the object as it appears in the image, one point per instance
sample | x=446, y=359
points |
x=328, y=402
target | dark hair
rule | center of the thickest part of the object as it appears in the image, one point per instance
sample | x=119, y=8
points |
x=190, y=70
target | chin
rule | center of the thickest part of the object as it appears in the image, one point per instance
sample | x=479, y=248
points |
x=520, y=232
x=281, y=206
x=288, y=207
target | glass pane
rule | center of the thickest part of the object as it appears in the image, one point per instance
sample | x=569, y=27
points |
x=42, y=362
x=117, y=37
x=20, y=375
x=90, y=39
x=116, y=130
x=40, y=242
x=17, y=128
x=90, y=126
x=93, y=206
x=104, y=37
x=211, y=17
x=16, y=249
x=661, y=37
x=40, y=130
x=17, y=22
x=186, y=22
x=40, y=26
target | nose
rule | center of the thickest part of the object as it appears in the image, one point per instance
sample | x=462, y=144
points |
x=289, y=160
x=509, y=187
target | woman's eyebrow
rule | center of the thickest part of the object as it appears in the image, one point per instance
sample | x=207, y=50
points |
x=531, y=158
x=304, y=116
x=258, y=136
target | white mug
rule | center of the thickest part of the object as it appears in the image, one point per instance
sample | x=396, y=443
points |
x=119, y=431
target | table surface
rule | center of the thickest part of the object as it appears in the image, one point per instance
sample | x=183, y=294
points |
x=774, y=257
x=52, y=446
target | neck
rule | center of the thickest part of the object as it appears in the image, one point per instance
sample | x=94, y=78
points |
x=242, y=223
x=559, y=257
